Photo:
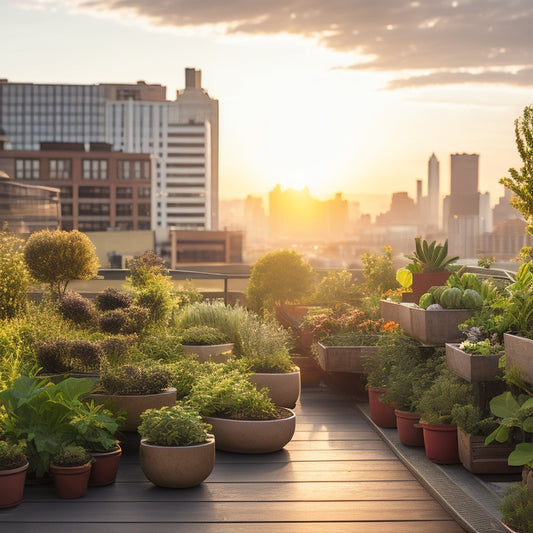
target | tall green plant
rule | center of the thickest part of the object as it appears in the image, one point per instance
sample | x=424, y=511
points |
x=520, y=181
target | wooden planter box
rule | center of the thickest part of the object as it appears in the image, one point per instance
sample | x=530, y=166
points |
x=438, y=327
x=519, y=352
x=397, y=312
x=473, y=368
x=343, y=358
x=480, y=459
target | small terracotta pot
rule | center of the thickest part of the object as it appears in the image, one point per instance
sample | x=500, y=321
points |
x=441, y=445
x=409, y=431
x=12, y=486
x=105, y=467
x=71, y=481
x=381, y=413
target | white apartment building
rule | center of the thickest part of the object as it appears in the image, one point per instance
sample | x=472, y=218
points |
x=182, y=135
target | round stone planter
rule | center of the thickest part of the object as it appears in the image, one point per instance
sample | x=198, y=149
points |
x=218, y=353
x=252, y=436
x=177, y=467
x=12, y=486
x=284, y=389
x=381, y=413
x=409, y=431
x=105, y=467
x=441, y=444
x=136, y=404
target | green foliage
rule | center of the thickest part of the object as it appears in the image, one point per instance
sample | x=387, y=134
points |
x=71, y=456
x=188, y=294
x=278, y=362
x=228, y=393
x=470, y=418
x=179, y=425
x=338, y=287
x=517, y=508
x=11, y=455
x=203, y=336
x=161, y=347
x=144, y=267
x=278, y=277
x=75, y=307
x=431, y=257
x=483, y=347
x=485, y=261
x=116, y=348
x=58, y=257
x=68, y=355
x=520, y=181
x=135, y=379
x=184, y=374
x=379, y=272
x=437, y=402
x=112, y=298
x=40, y=413
x=14, y=275
x=131, y=320
x=156, y=295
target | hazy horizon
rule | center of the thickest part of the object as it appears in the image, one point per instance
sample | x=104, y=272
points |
x=350, y=96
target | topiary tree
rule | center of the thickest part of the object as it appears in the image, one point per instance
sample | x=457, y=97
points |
x=14, y=275
x=278, y=277
x=58, y=257
x=521, y=181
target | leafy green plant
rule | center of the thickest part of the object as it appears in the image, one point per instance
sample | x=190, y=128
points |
x=520, y=181
x=437, y=402
x=203, y=336
x=71, y=456
x=483, y=347
x=179, y=425
x=14, y=275
x=429, y=257
x=135, y=379
x=144, y=267
x=338, y=287
x=517, y=508
x=11, y=455
x=470, y=418
x=157, y=296
x=58, y=257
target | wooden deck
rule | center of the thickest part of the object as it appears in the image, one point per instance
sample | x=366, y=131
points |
x=336, y=475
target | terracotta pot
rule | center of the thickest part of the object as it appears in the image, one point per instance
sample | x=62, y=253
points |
x=284, y=388
x=177, y=467
x=409, y=431
x=136, y=404
x=381, y=413
x=252, y=436
x=422, y=281
x=218, y=353
x=12, y=486
x=71, y=481
x=105, y=467
x=440, y=442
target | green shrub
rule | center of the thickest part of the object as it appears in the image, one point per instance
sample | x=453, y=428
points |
x=71, y=456
x=75, y=307
x=161, y=347
x=179, y=425
x=14, y=275
x=157, y=296
x=112, y=298
x=185, y=372
x=135, y=379
x=126, y=321
x=116, y=347
x=144, y=267
x=188, y=294
x=203, y=336
x=68, y=355
x=517, y=508
x=11, y=455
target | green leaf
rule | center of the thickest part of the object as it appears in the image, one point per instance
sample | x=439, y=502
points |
x=504, y=405
x=522, y=454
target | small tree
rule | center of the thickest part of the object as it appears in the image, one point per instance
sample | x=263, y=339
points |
x=521, y=181
x=278, y=277
x=14, y=276
x=58, y=257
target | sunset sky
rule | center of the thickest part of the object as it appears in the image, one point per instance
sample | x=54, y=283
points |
x=343, y=95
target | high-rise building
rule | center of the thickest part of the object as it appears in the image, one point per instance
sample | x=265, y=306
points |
x=182, y=135
x=433, y=201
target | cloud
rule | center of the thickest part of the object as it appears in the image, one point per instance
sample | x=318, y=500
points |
x=444, y=37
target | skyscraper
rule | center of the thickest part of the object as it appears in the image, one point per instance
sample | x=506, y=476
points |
x=181, y=134
x=434, y=189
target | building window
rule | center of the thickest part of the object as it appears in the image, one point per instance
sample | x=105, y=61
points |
x=93, y=209
x=93, y=225
x=123, y=170
x=125, y=225
x=144, y=224
x=143, y=192
x=66, y=210
x=124, y=210
x=65, y=192
x=93, y=192
x=27, y=169
x=95, y=169
x=124, y=192
x=143, y=210
x=60, y=169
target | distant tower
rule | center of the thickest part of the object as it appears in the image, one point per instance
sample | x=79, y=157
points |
x=433, y=188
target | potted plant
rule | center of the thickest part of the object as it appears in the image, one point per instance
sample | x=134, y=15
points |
x=13, y=467
x=207, y=342
x=176, y=450
x=71, y=469
x=96, y=429
x=475, y=455
x=133, y=389
x=244, y=419
x=429, y=266
x=517, y=508
x=435, y=407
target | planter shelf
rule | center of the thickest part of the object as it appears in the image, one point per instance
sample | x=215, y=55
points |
x=473, y=368
x=519, y=352
x=344, y=358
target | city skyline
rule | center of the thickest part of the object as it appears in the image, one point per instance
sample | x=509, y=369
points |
x=303, y=99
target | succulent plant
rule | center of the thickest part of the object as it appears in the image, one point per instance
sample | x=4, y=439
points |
x=431, y=257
